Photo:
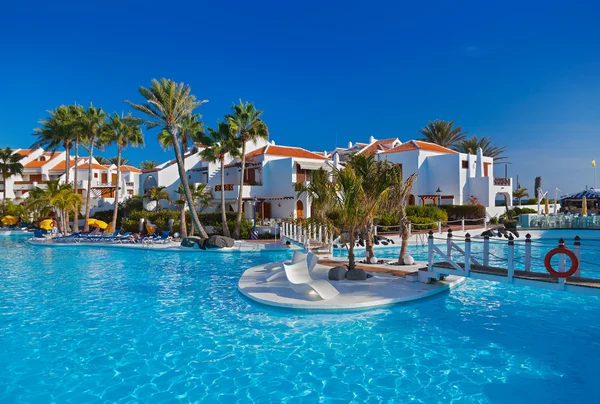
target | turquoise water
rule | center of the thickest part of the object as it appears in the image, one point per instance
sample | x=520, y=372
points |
x=94, y=325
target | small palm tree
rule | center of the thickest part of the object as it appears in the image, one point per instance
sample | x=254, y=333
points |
x=321, y=193
x=168, y=105
x=520, y=194
x=102, y=160
x=10, y=164
x=246, y=123
x=398, y=199
x=115, y=159
x=65, y=201
x=219, y=143
x=123, y=131
x=148, y=165
x=443, y=133
x=157, y=194
x=471, y=145
x=37, y=203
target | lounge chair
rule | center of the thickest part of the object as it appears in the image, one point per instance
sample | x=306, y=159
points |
x=299, y=277
x=162, y=239
x=66, y=239
x=112, y=237
x=278, y=266
x=38, y=234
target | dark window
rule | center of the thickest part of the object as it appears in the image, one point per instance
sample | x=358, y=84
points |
x=465, y=164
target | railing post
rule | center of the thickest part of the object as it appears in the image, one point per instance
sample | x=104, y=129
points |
x=375, y=230
x=485, y=223
x=486, y=251
x=430, y=252
x=511, y=257
x=528, y=252
x=562, y=262
x=449, y=244
x=321, y=234
x=409, y=229
x=439, y=226
x=577, y=251
x=467, y=254
x=308, y=230
x=462, y=224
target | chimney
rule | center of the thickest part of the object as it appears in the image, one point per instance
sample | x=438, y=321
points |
x=273, y=142
x=371, y=139
x=479, y=167
x=349, y=145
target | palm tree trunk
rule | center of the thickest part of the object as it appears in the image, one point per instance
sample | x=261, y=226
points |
x=66, y=222
x=351, y=261
x=117, y=185
x=238, y=220
x=3, y=194
x=184, y=181
x=75, y=186
x=223, y=214
x=403, y=235
x=88, y=199
x=183, y=224
x=369, y=240
x=67, y=159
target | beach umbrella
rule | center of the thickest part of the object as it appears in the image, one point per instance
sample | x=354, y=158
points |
x=8, y=220
x=46, y=224
x=547, y=207
x=584, y=206
x=97, y=223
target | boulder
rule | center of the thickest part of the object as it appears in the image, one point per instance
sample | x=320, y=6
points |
x=515, y=232
x=191, y=241
x=337, y=273
x=356, y=274
x=409, y=260
x=219, y=242
x=489, y=233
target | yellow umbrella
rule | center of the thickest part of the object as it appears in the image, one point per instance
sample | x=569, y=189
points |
x=46, y=224
x=547, y=207
x=8, y=220
x=97, y=223
x=584, y=206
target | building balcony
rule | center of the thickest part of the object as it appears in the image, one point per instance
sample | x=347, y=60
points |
x=502, y=182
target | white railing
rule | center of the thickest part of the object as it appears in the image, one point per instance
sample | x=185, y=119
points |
x=309, y=235
x=564, y=221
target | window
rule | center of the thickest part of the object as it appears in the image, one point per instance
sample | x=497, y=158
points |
x=95, y=175
x=465, y=164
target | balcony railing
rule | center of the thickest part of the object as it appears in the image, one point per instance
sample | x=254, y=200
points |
x=228, y=187
x=501, y=182
x=129, y=184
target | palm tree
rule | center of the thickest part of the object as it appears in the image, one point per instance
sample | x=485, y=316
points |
x=156, y=194
x=320, y=192
x=66, y=201
x=349, y=197
x=191, y=131
x=75, y=114
x=9, y=165
x=520, y=194
x=148, y=165
x=113, y=160
x=180, y=202
x=168, y=105
x=123, y=131
x=102, y=160
x=398, y=199
x=92, y=125
x=376, y=177
x=470, y=146
x=442, y=132
x=245, y=122
x=219, y=143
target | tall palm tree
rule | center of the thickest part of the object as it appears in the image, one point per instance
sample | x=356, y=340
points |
x=123, y=131
x=157, y=194
x=349, y=201
x=376, y=177
x=180, y=202
x=471, y=145
x=219, y=143
x=10, y=164
x=246, y=123
x=201, y=197
x=191, y=131
x=92, y=123
x=75, y=114
x=398, y=199
x=520, y=194
x=442, y=132
x=168, y=105
x=320, y=191
x=148, y=165
x=66, y=201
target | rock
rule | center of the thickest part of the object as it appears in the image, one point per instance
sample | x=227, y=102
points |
x=191, y=241
x=384, y=242
x=219, y=242
x=515, y=232
x=373, y=260
x=356, y=274
x=489, y=233
x=409, y=260
x=337, y=273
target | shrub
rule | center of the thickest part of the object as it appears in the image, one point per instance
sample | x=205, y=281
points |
x=458, y=212
x=422, y=223
x=429, y=212
x=244, y=230
x=494, y=220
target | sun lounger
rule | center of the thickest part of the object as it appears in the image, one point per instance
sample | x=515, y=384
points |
x=301, y=282
x=277, y=267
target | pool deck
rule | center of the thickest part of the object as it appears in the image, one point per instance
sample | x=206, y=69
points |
x=387, y=286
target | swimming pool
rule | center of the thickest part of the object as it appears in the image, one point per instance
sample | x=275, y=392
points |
x=85, y=325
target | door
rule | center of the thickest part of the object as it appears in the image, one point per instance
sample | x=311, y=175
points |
x=250, y=176
x=486, y=169
x=300, y=174
x=114, y=178
x=299, y=210
x=35, y=178
x=104, y=178
x=267, y=207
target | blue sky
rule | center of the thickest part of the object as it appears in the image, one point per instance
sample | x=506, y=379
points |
x=325, y=73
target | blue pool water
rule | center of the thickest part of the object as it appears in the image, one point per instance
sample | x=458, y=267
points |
x=94, y=325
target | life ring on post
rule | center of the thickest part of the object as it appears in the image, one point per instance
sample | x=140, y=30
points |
x=568, y=253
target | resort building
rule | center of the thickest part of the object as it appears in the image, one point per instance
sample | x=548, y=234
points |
x=40, y=166
x=445, y=177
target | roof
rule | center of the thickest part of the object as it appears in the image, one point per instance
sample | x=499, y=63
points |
x=378, y=145
x=285, y=151
x=588, y=193
x=420, y=145
x=24, y=152
x=62, y=166
x=95, y=166
x=37, y=163
x=125, y=168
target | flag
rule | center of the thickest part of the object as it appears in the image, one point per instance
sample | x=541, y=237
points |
x=593, y=163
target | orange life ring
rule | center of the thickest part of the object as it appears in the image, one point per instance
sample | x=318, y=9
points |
x=568, y=253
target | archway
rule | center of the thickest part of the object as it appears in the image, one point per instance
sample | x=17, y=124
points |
x=149, y=182
x=299, y=209
x=411, y=200
x=502, y=199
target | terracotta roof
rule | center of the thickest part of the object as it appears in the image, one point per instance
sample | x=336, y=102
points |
x=24, y=152
x=133, y=169
x=94, y=166
x=63, y=164
x=37, y=164
x=285, y=151
x=420, y=145
x=377, y=145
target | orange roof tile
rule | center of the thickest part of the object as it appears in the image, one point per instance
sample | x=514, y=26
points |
x=63, y=164
x=24, y=152
x=285, y=151
x=37, y=164
x=420, y=145
x=95, y=166
x=376, y=145
x=125, y=168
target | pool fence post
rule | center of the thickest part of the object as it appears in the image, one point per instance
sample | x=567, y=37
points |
x=321, y=233
x=484, y=223
x=308, y=231
x=511, y=257
x=409, y=229
x=430, y=252
x=467, y=254
x=486, y=251
x=439, y=226
x=449, y=244
x=462, y=224
x=577, y=251
x=562, y=263
x=528, y=252
x=375, y=230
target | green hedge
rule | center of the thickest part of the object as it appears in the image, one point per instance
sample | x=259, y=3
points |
x=422, y=223
x=418, y=215
x=458, y=212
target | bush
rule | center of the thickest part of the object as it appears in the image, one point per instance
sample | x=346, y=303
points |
x=428, y=212
x=244, y=230
x=458, y=212
x=422, y=223
x=494, y=220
